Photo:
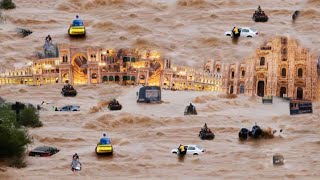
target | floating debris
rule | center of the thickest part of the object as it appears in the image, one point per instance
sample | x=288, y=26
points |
x=295, y=15
x=24, y=32
x=278, y=159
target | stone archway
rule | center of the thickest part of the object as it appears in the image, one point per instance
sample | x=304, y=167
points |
x=260, y=88
x=79, y=68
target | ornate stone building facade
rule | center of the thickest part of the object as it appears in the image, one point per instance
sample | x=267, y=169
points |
x=280, y=67
x=95, y=66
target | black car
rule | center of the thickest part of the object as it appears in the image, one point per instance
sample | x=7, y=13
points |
x=43, y=151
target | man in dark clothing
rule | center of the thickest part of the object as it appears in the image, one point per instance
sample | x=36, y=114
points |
x=190, y=109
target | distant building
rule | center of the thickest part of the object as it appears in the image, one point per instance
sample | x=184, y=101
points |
x=278, y=68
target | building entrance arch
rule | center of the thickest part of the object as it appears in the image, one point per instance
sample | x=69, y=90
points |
x=260, y=89
x=299, y=93
x=79, y=68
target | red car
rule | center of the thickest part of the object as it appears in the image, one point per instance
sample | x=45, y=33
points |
x=43, y=151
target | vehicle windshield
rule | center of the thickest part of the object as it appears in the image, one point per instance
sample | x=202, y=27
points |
x=253, y=30
x=42, y=148
x=199, y=147
x=77, y=23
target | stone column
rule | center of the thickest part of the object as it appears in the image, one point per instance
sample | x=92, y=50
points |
x=147, y=77
x=99, y=75
x=70, y=77
x=88, y=75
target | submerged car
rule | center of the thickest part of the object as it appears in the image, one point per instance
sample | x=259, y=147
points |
x=104, y=149
x=259, y=16
x=70, y=108
x=244, y=32
x=77, y=28
x=114, y=105
x=43, y=151
x=68, y=91
x=191, y=149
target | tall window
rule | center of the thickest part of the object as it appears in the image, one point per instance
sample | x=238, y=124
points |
x=262, y=61
x=232, y=74
x=64, y=58
x=283, y=72
x=218, y=70
x=243, y=73
x=300, y=72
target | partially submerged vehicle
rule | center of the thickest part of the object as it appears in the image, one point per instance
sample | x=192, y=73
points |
x=243, y=134
x=259, y=16
x=114, y=105
x=70, y=108
x=188, y=149
x=205, y=133
x=149, y=94
x=243, y=32
x=300, y=107
x=255, y=133
x=104, y=149
x=68, y=91
x=190, y=110
x=278, y=159
x=44, y=151
x=77, y=28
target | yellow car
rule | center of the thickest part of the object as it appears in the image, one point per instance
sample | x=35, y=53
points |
x=104, y=149
x=77, y=28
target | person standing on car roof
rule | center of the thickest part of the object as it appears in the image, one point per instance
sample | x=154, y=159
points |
x=104, y=139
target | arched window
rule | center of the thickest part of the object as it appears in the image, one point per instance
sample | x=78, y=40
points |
x=94, y=75
x=262, y=61
x=104, y=78
x=283, y=72
x=232, y=74
x=243, y=73
x=300, y=74
x=117, y=78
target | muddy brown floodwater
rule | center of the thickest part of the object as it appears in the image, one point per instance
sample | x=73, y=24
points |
x=188, y=31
